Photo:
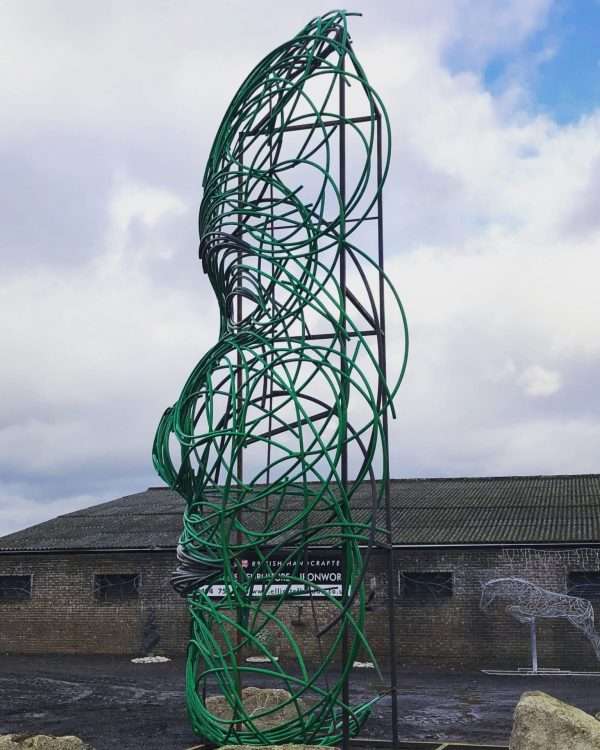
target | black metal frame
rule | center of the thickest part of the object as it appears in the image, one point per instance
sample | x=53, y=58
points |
x=387, y=547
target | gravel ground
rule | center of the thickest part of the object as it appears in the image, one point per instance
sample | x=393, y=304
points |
x=113, y=703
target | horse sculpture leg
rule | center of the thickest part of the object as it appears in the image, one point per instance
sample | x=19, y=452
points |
x=534, y=655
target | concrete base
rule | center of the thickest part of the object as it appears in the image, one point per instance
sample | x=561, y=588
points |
x=275, y=747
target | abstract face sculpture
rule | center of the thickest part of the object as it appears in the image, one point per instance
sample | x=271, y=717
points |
x=283, y=421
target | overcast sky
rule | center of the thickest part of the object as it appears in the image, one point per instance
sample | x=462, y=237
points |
x=492, y=232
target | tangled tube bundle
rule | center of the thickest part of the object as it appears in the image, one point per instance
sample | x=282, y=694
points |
x=282, y=421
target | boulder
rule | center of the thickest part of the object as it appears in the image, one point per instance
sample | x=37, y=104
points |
x=41, y=742
x=256, y=700
x=542, y=722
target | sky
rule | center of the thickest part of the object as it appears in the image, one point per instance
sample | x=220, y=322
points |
x=492, y=230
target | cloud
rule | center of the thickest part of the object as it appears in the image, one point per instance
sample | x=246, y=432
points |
x=491, y=238
x=19, y=511
x=582, y=221
x=538, y=381
x=497, y=281
x=483, y=30
x=96, y=353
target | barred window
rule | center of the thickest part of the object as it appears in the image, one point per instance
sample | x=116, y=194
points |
x=584, y=583
x=15, y=588
x=425, y=587
x=116, y=587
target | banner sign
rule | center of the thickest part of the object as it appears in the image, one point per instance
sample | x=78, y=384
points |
x=321, y=569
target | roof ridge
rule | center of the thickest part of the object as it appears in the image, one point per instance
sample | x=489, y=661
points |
x=496, y=478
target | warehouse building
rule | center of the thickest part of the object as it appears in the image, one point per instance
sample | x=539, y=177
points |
x=97, y=580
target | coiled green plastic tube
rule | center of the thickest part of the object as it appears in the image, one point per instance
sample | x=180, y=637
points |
x=293, y=390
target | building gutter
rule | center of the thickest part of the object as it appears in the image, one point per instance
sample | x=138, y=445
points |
x=375, y=549
x=85, y=550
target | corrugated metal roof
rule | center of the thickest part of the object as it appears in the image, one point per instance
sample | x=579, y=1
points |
x=478, y=510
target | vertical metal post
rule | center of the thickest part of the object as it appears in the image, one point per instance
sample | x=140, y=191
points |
x=272, y=272
x=534, y=656
x=239, y=311
x=345, y=389
x=387, y=499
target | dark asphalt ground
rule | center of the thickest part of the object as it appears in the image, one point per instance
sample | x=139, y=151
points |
x=113, y=703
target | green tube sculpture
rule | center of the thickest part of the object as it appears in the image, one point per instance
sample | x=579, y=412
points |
x=284, y=419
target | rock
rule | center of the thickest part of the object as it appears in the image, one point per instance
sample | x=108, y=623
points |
x=150, y=659
x=41, y=742
x=542, y=722
x=255, y=701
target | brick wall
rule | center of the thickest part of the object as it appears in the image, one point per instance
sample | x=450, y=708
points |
x=64, y=616
x=454, y=633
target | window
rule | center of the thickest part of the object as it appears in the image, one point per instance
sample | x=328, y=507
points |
x=116, y=587
x=425, y=586
x=15, y=588
x=584, y=583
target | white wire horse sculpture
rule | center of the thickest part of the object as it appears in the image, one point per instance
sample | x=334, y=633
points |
x=529, y=602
